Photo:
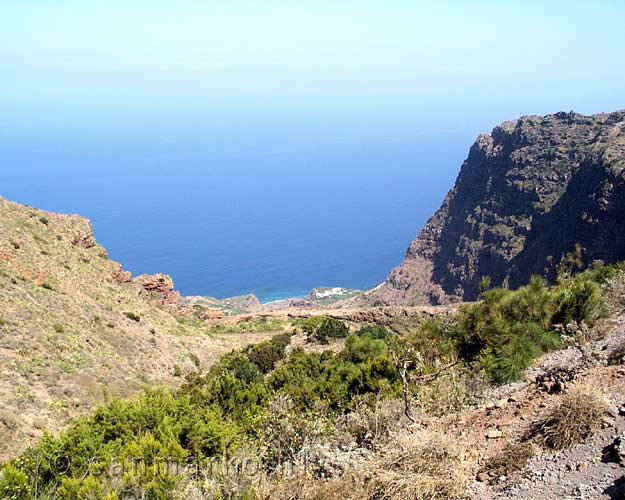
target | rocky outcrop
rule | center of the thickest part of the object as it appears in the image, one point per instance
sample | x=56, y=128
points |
x=160, y=286
x=527, y=194
x=81, y=232
x=243, y=303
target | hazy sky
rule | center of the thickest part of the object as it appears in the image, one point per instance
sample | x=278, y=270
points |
x=439, y=51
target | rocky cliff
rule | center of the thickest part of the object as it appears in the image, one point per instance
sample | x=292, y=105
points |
x=527, y=194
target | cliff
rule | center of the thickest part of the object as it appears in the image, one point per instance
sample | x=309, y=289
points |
x=76, y=329
x=526, y=196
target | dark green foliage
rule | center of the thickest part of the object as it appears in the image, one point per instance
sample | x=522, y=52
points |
x=44, y=220
x=266, y=354
x=374, y=331
x=132, y=316
x=324, y=329
x=578, y=300
x=14, y=484
x=505, y=332
x=485, y=283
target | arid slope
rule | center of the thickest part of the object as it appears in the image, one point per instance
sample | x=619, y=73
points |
x=75, y=329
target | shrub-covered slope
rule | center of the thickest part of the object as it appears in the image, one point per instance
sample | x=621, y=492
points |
x=75, y=329
x=283, y=409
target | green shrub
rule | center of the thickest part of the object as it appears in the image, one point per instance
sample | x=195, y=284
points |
x=266, y=354
x=578, y=300
x=14, y=484
x=132, y=316
x=374, y=332
x=326, y=328
x=84, y=488
x=507, y=330
x=361, y=347
x=310, y=325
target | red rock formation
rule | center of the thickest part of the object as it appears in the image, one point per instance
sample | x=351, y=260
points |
x=160, y=286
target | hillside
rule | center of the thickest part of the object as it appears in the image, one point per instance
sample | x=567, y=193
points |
x=76, y=329
x=527, y=194
x=520, y=396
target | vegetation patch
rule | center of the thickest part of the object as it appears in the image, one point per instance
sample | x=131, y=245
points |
x=255, y=325
x=132, y=316
x=280, y=402
x=424, y=465
x=511, y=459
x=324, y=328
x=579, y=415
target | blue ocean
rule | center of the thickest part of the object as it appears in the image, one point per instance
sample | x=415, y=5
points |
x=234, y=201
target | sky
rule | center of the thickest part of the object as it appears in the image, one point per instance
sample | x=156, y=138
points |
x=440, y=54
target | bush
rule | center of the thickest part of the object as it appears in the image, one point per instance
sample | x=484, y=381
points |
x=424, y=465
x=374, y=331
x=286, y=434
x=578, y=300
x=369, y=426
x=132, y=316
x=511, y=459
x=14, y=484
x=579, y=414
x=614, y=290
x=266, y=354
x=505, y=332
x=88, y=488
x=325, y=329
x=359, y=348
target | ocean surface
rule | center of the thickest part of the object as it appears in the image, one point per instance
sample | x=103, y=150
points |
x=232, y=203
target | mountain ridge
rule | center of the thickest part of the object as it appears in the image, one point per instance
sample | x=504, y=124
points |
x=527, y=194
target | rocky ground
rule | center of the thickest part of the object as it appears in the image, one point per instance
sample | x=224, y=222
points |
x=594, y=469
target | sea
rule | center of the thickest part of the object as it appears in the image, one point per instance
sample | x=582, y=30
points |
x=235, y=201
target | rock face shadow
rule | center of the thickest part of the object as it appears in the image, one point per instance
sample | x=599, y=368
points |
x=616, y=491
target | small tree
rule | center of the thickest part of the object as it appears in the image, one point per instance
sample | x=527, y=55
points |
x=326, y=329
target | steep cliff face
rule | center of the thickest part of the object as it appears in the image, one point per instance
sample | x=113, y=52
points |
x=525, y=196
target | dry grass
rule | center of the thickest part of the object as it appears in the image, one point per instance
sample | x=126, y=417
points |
x=350, y=486
x=371, y=426
x=423, y=465
x=614, y=293
x=578, y=416
x=512, y=458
